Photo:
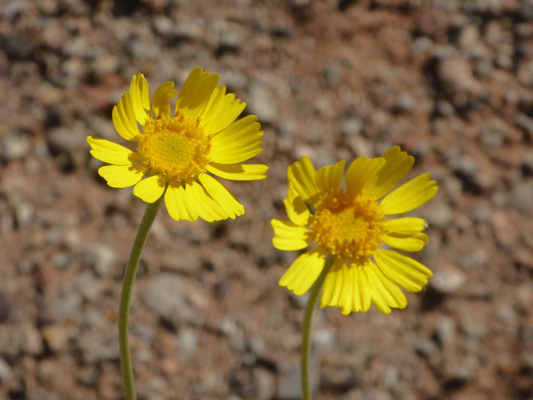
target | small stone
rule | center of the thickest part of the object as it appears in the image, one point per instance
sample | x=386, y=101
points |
x=475, y=259
x=447, y=279
x=471, y=327
x=265, y=384
x=163, y=25
x=457, y=78
x=5, y=371
x=438, y=215
x=101, y=258
x=433, y=21
x=446, y=330
x=494, y=134
x=56, y=337
x=60, y=260
x=65, y=140
x=333, y=73
x=173, y=301
x=506, y=314
x=262, y=104
x=33, y=344
x=289, y=386
x=188, y=343
x=104, y=66
x=521, y=197
x=351, y=127
x=15, y=147
x=469, y=36
x=463, y=371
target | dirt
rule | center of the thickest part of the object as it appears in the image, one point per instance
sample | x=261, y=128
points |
x=451, y=82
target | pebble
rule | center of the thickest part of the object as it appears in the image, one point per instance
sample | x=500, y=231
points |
x=333, y=73
x=261, y=103
x=474, y=259
x=167, y=296
x=456, y=76
x=446, y=329
x=447, y=279
x=15, y=146
x=101, y=258
x=494, y=134
x=289, y=383
x=31, y=337
x=265, y=384
x=438, y=215
x=188, y=343
x=56, y=337
x=521, y=197
x=66, y=140
x=5, y=371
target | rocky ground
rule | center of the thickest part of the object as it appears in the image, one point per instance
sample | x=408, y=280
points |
x=451, y=81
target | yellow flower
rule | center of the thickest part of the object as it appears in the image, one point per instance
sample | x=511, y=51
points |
x=177, y=155
x=352, y=225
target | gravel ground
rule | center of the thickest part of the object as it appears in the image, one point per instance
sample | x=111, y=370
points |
x=450, y=81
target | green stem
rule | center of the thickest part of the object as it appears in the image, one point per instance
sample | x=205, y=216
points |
x=125, y=297
x=308, y=319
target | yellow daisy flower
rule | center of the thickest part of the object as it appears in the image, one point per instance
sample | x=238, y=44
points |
x=352, y=225
x=178, y=155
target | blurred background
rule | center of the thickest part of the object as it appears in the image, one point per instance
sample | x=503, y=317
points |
x=450, y=81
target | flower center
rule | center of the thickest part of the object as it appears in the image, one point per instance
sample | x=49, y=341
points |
x=349, y=226
x=176, y=148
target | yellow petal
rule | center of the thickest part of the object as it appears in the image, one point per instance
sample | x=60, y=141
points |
x=162, y=96
x=179, y=205
x=196, y=93
x=333, y=284
x=410, y=195
x=140, y=98
x=330, y=178
x=110, y=152
x=124, y=118
x=301, y=176
x=362, y=291
x=289, y=236
x=222, y=196
x=238, y=142
x=121, y=176
x=406, y=225
x=221, y=111
x=296, y=208
x=402, y=270
x=362, y=171
x=385, y=294
x=346, y=287
x=239, y=172
x=304, y=271
x=413, y=242
x=208, y=209
x=150, y=189
x=398, y=164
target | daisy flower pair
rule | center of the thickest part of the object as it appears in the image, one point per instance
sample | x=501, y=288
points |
x=179, y=156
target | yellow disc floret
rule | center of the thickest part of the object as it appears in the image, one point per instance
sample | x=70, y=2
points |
x=175, y=148
x=349, y=226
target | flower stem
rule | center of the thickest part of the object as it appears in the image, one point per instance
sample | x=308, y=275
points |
x=308, y=319
x=125, y=297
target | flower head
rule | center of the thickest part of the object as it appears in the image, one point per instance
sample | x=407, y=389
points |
x=177, y=155
x=352, y=225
